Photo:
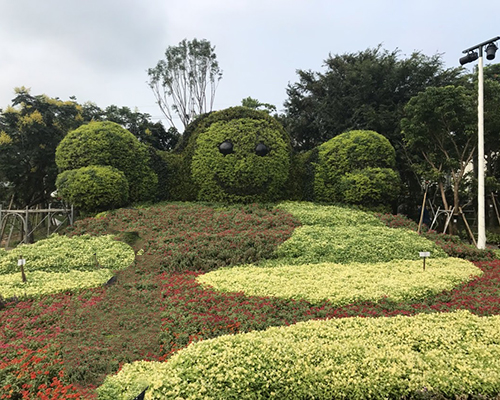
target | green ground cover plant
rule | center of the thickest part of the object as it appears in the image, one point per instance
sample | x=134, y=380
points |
x=340, y=234
x=355, y=358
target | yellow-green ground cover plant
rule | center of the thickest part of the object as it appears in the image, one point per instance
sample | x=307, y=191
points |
x=60, y=263
x=350, y=358
x=342, y=284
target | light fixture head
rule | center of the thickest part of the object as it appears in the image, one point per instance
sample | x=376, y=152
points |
x=471, y=56
x=491, y=50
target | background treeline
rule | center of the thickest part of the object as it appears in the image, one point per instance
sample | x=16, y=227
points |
x=425, y=111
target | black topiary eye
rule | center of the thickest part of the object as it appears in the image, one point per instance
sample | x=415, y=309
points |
x=261, y=149
x=226, y=147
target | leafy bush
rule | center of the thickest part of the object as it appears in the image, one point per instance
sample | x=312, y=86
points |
x=243, y=175
x=300, y=184
x=341, y=284
x=108, y=144
x=94, y=188
x=429, y=354
x=356, y=167
x=370, y=187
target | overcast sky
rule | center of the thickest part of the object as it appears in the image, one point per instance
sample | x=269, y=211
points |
x=100, y=50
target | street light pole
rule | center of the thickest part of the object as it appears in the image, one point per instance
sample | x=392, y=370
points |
x=472, y=56
x=481, y=217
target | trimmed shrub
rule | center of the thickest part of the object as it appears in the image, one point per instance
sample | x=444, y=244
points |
x=107, y=143
x=254, y=169
x=357, y=168
x=93, y=189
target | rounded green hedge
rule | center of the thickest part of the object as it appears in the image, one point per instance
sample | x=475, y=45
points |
x=94, y=188
x=356, y=167
x=242, y=175
x=108, y=144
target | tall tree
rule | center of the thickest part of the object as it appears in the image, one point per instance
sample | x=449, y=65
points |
x=30, y=131
x=365, y=90
x=440, y=131
x=185, y=81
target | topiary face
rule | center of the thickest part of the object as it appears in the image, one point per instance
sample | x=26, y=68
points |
x=240, y=160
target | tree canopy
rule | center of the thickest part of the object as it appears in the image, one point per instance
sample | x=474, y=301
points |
x=440, y=131
x=364, y=90
x=185, y=81
x=30, y=131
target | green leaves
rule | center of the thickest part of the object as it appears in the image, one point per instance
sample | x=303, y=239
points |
x=377, y=358
x=108, y=144
x=356, y=168
x=243, y=175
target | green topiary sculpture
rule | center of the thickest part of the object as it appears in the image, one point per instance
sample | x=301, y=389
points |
x=356, y=167
x=108, y=144
x=94, y=188
x=239, y=155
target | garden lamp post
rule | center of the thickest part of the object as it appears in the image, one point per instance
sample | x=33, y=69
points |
x=472, y=54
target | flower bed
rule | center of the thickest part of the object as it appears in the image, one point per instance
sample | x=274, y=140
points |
x=70, y=341
x=60, y=264
x=442, y=354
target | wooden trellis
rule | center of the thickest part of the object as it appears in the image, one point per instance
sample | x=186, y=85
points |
x=23, y=216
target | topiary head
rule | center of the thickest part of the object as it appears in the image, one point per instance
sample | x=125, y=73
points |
x=240, y=160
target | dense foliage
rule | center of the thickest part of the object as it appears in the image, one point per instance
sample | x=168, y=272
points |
x=342, y=284
x=356, y=168
x=30, y=131
x=362, y=358
x=60, y=264
x=363, y=90
x=440, y=131
x=244, y=175
x=108, y=144
x=94, y=188
x=259, y=184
